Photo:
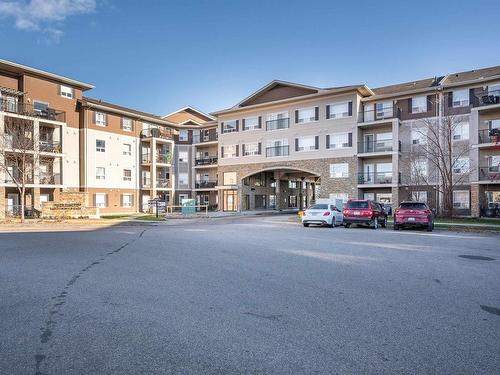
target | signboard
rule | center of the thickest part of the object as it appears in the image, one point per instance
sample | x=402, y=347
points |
x=188, y=206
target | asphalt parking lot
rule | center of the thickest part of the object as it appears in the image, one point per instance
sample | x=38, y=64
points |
x=249, y=295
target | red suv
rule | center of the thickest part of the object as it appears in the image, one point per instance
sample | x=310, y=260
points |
x=364, y=212
x=413, y=214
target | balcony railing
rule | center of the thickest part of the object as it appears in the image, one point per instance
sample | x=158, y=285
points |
x=50, y=146
x=281, y=123
x=10, y=180
x=145, y=158
x=164, y=158
x=48, y=179
x=489, y=136
x=375, y=178
x=212, y=136
x=277, y=151
x=488, y=97
x=381, y=145
x=491, y=173
x=157, y=133
x=27, y=109
x=207, y=160
x=205, y=184
x=379, y=114
x=163, y=183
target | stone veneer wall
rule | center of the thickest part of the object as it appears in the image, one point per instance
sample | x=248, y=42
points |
x=70, y=204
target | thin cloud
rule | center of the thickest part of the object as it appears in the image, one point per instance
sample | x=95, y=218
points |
x=46, y=16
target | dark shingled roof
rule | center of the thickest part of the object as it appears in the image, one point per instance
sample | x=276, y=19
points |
x=408, y=86
x=120, y=108
x=470, y=75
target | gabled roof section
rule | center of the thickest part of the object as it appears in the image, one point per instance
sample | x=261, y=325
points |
x=277, y=90
x=472, y=75
x=428, y=83
x=189, y=113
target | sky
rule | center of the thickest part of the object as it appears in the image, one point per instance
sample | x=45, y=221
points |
x=158, y=56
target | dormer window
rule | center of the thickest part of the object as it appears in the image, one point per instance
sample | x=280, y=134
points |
x=66, y=92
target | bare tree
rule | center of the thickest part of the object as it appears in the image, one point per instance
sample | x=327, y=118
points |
x=446, y=154
x=18, y=155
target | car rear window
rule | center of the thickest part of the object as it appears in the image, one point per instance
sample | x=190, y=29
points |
x=357, y=204
x=413, y=206
x=319, y=207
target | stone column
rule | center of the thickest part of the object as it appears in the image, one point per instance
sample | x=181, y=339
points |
x=475, y=200
x=301, y=195
x=278, y=192
x=313, y=192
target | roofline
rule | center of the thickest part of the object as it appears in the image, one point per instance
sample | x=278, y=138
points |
x=130, y=113
x=471, y=81
x=401, y=93
x=193, y=109
x=295, y=98
x=83, y=85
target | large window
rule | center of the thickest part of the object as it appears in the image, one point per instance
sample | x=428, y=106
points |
x=229, y=151
x=461, y=165
x=339, y=110
x=277, y=148
x=100, y=173
x=305, y=144
x=419, y=196
x=278, y=120
x=460, y=98
x=461, y=199
x=340, y=170
x=100, y=145
x=66, y=92
x=304, y=115
x=418, y=136
x=100, y=119
x=183, y=179
x=251, y=123
x=461, y=131
x=339, y=140
x=250, y=149
x=183, y=135
x=230, y=126
x=419, y=168
x=127, y=124
x=419, y=104
x=127, y=200
x=183, y=156
x=101, y=200
x=229, y=178
x=40, y=107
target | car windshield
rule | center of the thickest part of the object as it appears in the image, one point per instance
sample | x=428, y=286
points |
x=413, y=206
x=319, y=207
x=357, y=204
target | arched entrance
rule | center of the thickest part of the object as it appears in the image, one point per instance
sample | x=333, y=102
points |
x=278, y=188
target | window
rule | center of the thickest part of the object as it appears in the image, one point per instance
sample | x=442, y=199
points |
x=418, y=136
x=40, y=107
x=494, y=124
x=100, y=145
x=183, y=135
x=494, y=89
x=100, y=119
x=494, y=163
x=229, y=178
x=419, y=168
x=100, y=173
x=305, y=144
x=101, y=200
x=339, y=140
x=305, y=115
x=384, y=110
x=460, y=98
x=419, y=104
x=230, y=126
x=127, y=175
x=183, y=156
x=127, y=124
x=66, y=92
x=183, y=179
x=339, y=170
x=292, y=184
x=251, y=123
x=277, y=120
x=229, y=151
x=461, y=131
x=461, y=165
x=277, y=148
x=419, y=196
x=461, y=199
x=251, y=149
x=339, y=110
x=340, y=199
x=127, y=200
x=127, y=149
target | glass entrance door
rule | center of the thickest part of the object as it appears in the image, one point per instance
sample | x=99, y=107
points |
x=229, y=197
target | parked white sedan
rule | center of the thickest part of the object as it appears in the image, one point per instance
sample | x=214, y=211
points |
x=322, y=214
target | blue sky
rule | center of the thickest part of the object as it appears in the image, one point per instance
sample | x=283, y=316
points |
x=158, y=56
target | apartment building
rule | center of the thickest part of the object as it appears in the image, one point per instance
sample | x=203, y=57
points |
x=287, y=143
x=44, y=104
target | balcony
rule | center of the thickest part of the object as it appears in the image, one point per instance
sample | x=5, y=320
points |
x=385, y=113
x=277, y=151
x=281, y=123
x=50, y=146
x=211, y=137
x=375, y=178
x=27, y=109
x=491, y=173
x=146, y=158
x=489, y=136
x=380, y=145
x=205, y=184
x=50, y=179
x=488, y=97
x=164, y=158
x=162, y=183
x=167, y=134
x=206, y=160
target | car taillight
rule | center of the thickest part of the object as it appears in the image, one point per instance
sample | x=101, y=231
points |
x=327, y=213
x=345, y=212
x=427, y=212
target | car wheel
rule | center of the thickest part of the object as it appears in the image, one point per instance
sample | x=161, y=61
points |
x=374, y=223
x=396, y=227
x=347, y=225
x=384, y=223
x=305, y=224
